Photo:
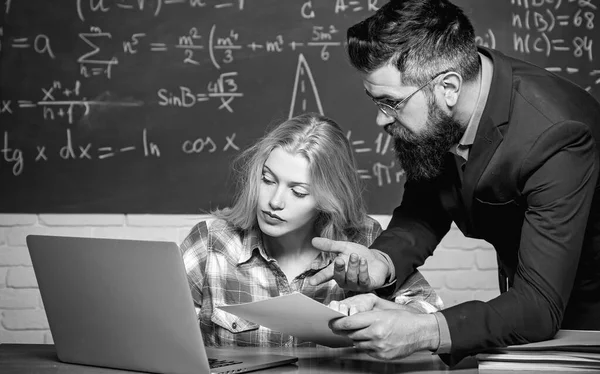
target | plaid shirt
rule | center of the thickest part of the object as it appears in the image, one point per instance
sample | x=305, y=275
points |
x=226, y=266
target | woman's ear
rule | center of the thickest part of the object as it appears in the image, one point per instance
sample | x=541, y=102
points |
x=451, y=84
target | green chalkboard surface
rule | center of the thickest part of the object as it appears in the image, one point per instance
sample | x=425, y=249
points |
x=139, y=106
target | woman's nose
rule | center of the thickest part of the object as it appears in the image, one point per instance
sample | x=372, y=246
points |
x=277, y=201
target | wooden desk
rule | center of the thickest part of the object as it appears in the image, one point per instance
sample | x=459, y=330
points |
x=41, y=359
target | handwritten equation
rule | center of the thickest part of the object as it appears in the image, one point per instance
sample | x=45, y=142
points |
x=103, y=52
x=382, y=173
x=181, y=86
x=59, y=101
x=539, y=29
x=15, y=157
x=307, y=9
x=155, y=7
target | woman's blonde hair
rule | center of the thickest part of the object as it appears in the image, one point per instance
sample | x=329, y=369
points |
x=335, y=183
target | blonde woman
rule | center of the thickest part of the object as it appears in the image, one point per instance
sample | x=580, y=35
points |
x=297, y=182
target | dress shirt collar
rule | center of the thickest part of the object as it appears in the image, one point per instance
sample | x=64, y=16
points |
x=462, y=148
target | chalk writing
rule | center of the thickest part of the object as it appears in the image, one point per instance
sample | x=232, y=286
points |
x=224, y=88
x=72, y=150
x=93, y=57
x=139, y=6
x=40, y=44
x=539, y=28
x=303, y=78
x=136, y=99
x=382, y=173
x=488, y=39
x=59, y=101
x=207, y=144
x=12, y=156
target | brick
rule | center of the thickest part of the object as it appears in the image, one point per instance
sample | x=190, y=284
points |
x=454, y=297
x=472, y=280
x=18, y=219
x=3, y=232
x=384, y=220
x=14, y=256
x=182, y=234
x=455, y=239
x=22, y=337
x=485, y=295
x=435, y=278
x=16, y=236
x=162, y=220
x=137, y=233
x=3, y=273
x=21, y=277
x=486, y=259
x=82, y=219
x=449, y=259
x=11, y=298
x=30, y=319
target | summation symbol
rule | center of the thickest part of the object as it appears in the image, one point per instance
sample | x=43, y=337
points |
x=91, y=57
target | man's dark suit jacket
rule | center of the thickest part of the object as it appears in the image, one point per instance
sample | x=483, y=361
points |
x=530, y=188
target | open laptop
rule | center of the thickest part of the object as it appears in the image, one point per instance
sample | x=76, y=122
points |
x=127, y=304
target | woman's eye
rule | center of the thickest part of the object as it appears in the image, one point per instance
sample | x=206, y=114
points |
x=299, y=194
x=267, y=180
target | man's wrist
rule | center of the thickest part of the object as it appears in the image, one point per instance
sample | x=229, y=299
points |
x=390, y=275
x=445, y=344
x=431, y=333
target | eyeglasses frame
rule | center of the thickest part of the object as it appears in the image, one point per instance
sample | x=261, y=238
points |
x=396, y=107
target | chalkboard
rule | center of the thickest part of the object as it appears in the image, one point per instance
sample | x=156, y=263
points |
x=139, y=106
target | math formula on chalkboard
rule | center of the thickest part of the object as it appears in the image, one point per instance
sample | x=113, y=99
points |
x=139, y=106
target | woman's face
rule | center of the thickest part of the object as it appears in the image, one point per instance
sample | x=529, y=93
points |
x=285, y=202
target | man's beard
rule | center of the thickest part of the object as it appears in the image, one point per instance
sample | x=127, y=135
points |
x=421, y=156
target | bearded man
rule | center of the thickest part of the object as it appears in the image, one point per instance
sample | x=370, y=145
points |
x=506, y=150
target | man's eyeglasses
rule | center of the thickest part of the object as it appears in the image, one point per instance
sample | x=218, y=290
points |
x=392, y=110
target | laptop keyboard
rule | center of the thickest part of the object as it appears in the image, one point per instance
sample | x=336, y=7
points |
x=216, y=363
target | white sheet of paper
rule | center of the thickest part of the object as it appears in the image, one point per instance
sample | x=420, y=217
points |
x=294, y=314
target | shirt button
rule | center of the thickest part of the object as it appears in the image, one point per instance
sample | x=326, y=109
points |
x=234, y=325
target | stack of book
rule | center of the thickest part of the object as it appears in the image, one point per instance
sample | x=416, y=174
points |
x=569, y=350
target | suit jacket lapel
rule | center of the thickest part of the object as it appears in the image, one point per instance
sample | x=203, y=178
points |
x=488, y=137
x=479, y=157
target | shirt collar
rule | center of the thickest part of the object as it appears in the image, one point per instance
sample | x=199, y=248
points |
x=252, y=241
x=468, y=138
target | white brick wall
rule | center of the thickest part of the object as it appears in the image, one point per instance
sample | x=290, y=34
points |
x=462, y=269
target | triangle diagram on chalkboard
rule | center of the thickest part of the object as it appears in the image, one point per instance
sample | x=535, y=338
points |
x=305, y=97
